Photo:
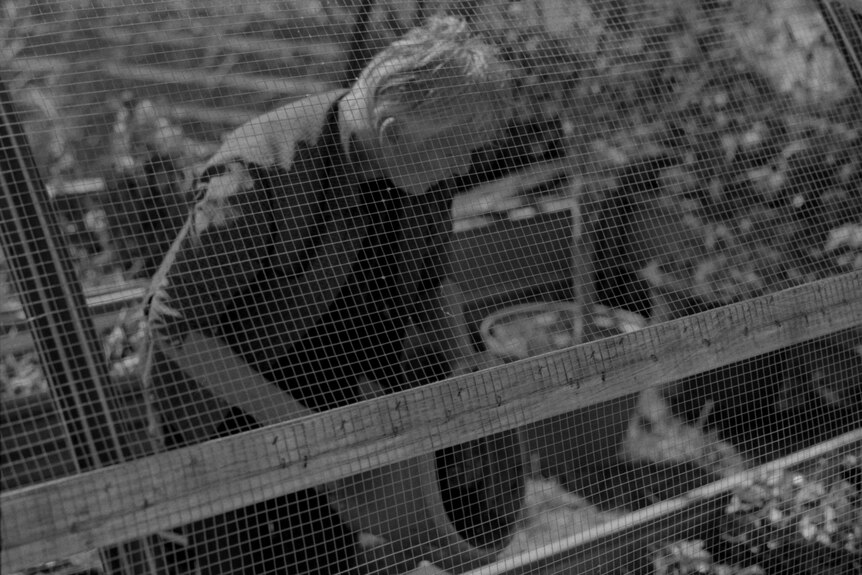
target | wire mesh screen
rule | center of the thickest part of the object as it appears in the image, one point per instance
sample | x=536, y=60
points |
x=431, y=286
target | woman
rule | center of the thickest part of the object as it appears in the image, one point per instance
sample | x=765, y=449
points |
x=312, y=272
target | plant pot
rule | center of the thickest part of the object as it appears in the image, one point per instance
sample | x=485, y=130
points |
x=530, y=329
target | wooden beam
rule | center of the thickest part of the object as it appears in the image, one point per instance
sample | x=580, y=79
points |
x=103, y=306
x=167, y=490
x=230, y=117
x=320, y=49
x=278, y=85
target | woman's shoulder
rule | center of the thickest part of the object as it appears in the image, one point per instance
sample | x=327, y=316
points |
x=271, y=139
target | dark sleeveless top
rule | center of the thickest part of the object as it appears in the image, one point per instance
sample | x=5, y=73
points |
x=313, y=274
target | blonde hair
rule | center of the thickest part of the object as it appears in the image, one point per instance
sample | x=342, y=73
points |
x=433, y=70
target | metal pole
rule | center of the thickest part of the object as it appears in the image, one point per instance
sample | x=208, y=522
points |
x=69, y=350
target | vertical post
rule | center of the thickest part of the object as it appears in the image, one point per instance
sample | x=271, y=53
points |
x=66, y=340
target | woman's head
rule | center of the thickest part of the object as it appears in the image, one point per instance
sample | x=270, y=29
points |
x=430, y=99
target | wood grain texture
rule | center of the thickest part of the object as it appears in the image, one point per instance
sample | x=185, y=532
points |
x=130, y=500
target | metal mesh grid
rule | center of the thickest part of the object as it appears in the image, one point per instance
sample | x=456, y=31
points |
x=423, y=286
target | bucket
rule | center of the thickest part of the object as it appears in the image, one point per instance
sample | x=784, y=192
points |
x=530, y=329
x=457, y=508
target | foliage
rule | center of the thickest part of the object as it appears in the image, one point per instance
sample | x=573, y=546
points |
x=783, y=519
x=821, y=506
x=760, y=191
